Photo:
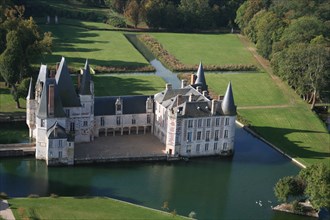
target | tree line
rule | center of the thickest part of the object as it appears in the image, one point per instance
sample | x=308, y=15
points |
x=20, y=42
x=294, y=36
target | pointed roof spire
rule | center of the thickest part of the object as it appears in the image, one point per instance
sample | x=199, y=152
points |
x=30, y=92
x=200, y=80
x=66, y=89
x=228, y=105
x=85, y=81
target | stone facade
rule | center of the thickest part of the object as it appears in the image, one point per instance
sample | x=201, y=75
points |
x=186, y=120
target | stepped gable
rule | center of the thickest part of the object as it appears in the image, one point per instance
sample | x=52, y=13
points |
x=56, y=132
x=85, y=81
x=228, y=105
x=44, y=101
x=66, y=89
x=31, y=94
x=200, y=80
x=131, y=105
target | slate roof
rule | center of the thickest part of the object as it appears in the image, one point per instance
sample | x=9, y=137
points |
x=200, y=80
x=196, y=109
x=66, y=88
x=56, y=132
x=228, y=104
x=31, y=94
x=131, y=105
x=85, y=80
x=43, y=73
x=43, y=106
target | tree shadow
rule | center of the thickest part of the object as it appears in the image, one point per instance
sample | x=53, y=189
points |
x=298, y=148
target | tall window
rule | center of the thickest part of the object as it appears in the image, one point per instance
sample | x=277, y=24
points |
x=189, y=136
x=227, y=121
x=216, y=135
x=215, y=146
x=85, y=123
x=190, y=123
x=148, y=119
x=199, y=123
x=102, y=121
x=60, y=143
x=207, y=138
x=67, y=112
x=133, y=120
x=188, y=150
x=224, y=146
x=226, y=134
x=118, y=107
x=206, y=147
x=217, y=122
x=60, y=154
x=208, y=122
x=118, y=120
x=42, y=123
x=198, y=147
x=199, y=134
x=72, y=126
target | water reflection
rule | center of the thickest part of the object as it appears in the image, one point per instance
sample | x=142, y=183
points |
x=213, y=188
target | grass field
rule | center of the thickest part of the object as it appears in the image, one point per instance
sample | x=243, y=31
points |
x=217, y=49
x=102, y=48
x=250, y=89
x=7, y=103
x=13, y=132
x=129, y=84
x=82, y=208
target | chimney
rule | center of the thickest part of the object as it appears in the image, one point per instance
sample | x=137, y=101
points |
x=168, y=86
x=205, y=93
x=199, y=89
x=191, y=97
x=51, y=99
x=78, y=80
x=214, y=107
x=179, y=100
x=192, y=79
x=183, y=83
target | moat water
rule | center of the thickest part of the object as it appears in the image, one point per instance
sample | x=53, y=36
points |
x=214, y=188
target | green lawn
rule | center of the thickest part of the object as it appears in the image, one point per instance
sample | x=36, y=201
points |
x=295, y=130
x=7, y=103
x=13, y=132
x=82, y=208
x=102, y=48
x=128, y=84
x=217, y=49
x=250, y=89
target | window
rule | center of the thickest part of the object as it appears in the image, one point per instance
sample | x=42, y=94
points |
x=199, y=123
x=207, y=138
x=67, y=112
x=118, y=107
x=216, y=135
x=215, y=146
x=85, y=123
x=42, y=123
x=102, y=121
x=118, y=120
x=148, y=119
x=60, y=143
x=60, y=154
x=227, y=121
x=72, y=126
x=199, y=134
x=208, y=122
x=50, y=143
x=133, y=120
x=189, y=136
x=188, y=150
x=206, y=147
x=224, y=147
x=226, y=134
x=50, y=153
x=217, y=122
x=190, y=123
x=198, y=147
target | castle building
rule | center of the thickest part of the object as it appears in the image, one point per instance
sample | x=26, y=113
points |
x=186, y=119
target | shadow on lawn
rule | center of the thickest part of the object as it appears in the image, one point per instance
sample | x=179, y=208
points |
x=278, y=136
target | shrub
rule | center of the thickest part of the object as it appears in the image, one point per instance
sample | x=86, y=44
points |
x=116, y=21
x=3, y=195
x=53, y=195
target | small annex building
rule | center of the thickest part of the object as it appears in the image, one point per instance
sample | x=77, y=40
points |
x=186, y=119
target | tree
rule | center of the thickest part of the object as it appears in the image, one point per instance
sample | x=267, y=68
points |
x=155, y=13
x=132, y=12
x=288, y=186
x=246, y=12
x=317, y=178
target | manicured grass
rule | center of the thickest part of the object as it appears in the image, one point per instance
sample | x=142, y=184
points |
x=129, y=84
x=82, y=208
x=295, y=130
x=250, y=89
x=13, y=132
x=7, y=103
x=102, y=48
x=217, y=49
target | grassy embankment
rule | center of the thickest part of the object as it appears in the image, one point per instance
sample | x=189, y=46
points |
x=273, y=110
x=82, y=208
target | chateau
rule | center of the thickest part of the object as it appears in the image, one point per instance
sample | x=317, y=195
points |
x=186, y=119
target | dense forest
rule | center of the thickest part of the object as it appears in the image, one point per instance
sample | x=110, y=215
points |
x=294, y=36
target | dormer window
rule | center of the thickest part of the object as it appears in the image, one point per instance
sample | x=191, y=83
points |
x=119, y=107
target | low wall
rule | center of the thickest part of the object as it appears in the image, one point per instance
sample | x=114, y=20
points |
x=119, y=159
x=17, y=150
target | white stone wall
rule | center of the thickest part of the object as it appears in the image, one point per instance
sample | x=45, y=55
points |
x=160, y=130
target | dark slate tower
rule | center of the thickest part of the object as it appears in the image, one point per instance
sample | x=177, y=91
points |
x=200, y=80
x=85, y=85
x=228, y=105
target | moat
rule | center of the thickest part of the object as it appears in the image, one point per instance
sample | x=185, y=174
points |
x=215, y=188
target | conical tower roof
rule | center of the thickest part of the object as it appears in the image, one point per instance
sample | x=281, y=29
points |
x=30, y=92
x=228, y=104
x=85, y=81
x=200, y=80
x=66, y=89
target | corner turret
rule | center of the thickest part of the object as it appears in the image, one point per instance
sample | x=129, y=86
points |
x=200, y=79
x=228, y=105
